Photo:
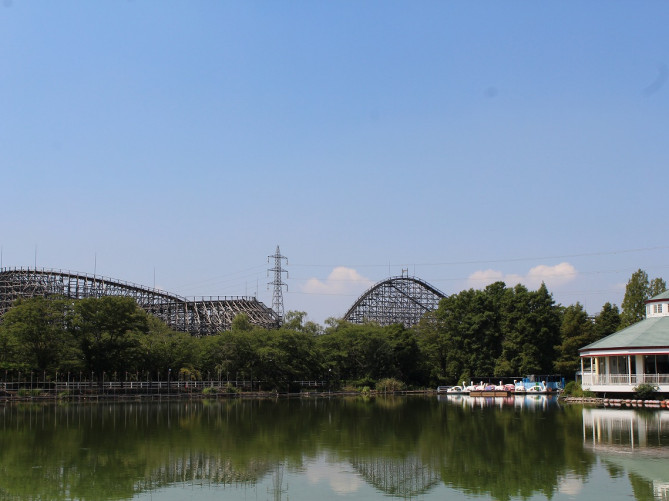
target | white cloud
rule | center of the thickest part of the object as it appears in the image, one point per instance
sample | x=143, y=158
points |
x=552, y=276
x=341, y=280
x=481, y=278
x=342, y=481
x=570, y=485
x=555, y=275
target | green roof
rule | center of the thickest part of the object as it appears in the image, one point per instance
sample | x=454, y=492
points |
x=663, y=295
x=651, y=332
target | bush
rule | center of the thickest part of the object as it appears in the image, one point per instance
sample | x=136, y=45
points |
x=574, y=389
x=645, y=391
x=210, y=390
x=231, y=388
x=390, y=385
x=25, y=392
x=571, y=388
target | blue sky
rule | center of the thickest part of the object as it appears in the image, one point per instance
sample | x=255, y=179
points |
x=463, y=141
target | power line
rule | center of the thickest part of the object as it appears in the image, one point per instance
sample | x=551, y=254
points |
x=484, y=261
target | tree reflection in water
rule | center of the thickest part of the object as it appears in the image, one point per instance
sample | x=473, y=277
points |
x=403, y=447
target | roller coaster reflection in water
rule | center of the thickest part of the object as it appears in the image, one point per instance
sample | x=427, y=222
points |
x=197, y=316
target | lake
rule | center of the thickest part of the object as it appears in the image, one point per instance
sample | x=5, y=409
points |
x=425, y=448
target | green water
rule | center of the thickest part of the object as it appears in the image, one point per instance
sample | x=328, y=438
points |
x=292, y=449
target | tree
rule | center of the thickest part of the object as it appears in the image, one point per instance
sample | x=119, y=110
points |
x=576, y=332
x=530, y=331
x=109, y=330
x=297, y=321
x=657, y=286
x=433, y=348
x=634, y=302
x=38, y=327
x=638, y=290
x=241, y=322
x=162, y=349
x=9, y=349
x=606, y=322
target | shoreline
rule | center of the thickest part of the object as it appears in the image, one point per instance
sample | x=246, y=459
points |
x=144, y=397
x=49, y=397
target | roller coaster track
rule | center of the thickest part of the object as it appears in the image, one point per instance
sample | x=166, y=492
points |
x=198, y=316
x=397, y=300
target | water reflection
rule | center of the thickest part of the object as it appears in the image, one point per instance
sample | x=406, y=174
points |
x=632, y=441
x=451, y=446
x=527, y=402
x=403, y=477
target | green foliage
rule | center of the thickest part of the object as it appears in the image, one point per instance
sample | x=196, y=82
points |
x=390, y=385
x=496, y=331
x=189, y=374
x=231, y=388
x=241, y=322
x=657, y=286
x=636, y=294
x=28, y=392
x=606, y=322
x=297, y=321
x=162, y=349
x=646, y=391
x=576, y=331
x=35, y=332
x=574, y=389
x=638, y=290
x=368, y=353
x=109, y=330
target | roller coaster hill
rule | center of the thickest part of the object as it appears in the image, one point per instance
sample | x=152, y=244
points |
x=199, y=316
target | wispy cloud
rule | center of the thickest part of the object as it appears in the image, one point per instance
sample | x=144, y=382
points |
x=552, y=276
x=341, y=280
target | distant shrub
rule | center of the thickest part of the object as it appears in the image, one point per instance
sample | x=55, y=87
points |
x=571, y=389
x=231, y=388
x=189, y=374
x=574, y=389
x=210, y=390
x=390, y=385
x=646, y=391
x=26, y=392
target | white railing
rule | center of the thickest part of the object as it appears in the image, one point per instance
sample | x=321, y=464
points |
x=624, y=379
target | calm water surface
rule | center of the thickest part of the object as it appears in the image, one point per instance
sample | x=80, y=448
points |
x=424, y=448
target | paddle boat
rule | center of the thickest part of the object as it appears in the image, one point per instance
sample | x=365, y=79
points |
x=457, y=390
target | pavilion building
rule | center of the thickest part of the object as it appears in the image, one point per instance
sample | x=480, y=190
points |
x=632, y=356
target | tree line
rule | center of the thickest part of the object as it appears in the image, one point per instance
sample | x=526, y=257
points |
x=498, y=331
